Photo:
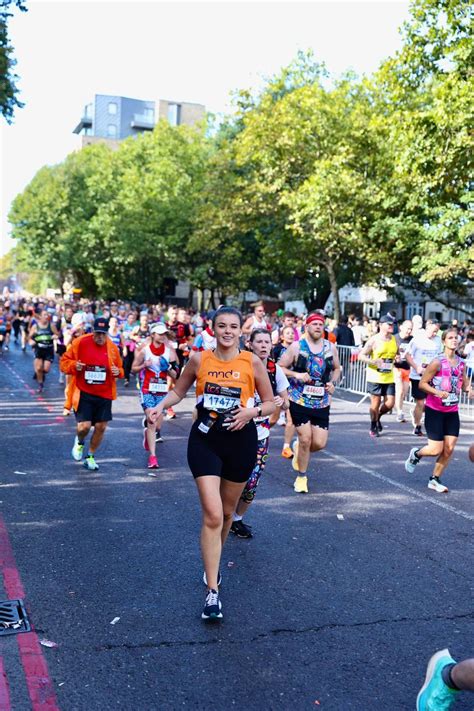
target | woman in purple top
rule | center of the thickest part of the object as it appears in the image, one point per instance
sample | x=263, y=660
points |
x=442, y=380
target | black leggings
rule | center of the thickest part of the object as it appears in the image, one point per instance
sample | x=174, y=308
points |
x=127, y=364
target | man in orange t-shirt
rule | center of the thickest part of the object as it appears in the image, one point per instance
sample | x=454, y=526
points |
x=96, y=363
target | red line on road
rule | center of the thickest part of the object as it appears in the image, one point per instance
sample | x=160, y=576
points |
x=4, y=689
x=39, y=684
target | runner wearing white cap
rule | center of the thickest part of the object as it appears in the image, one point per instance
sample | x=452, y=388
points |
x=154, y=363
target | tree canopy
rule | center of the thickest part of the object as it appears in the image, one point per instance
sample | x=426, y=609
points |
x=313, y=180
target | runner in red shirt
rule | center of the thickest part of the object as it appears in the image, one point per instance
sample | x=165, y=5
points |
x=96, y=363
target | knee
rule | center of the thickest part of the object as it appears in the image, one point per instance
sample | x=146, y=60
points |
x=100, y=426
x=317, y=446
x=304, y=441
x=213, y=518
x=448, y=449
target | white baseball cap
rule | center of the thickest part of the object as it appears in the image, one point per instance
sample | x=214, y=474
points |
x=159, y=328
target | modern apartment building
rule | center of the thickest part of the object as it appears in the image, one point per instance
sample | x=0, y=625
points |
x=113, y=118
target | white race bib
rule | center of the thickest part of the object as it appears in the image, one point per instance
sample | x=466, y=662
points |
x=314, y=390
x=157, y=386
x=220, y=398
x=95, y=374
x=452, y=399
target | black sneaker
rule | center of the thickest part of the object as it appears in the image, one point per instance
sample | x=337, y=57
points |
x=158, y=438
x=213, y=607
x=417, y=431
x=241, y=530
x=379, y=427
x=219, y=579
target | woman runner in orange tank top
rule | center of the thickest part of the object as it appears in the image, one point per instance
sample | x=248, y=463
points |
x=222, y=445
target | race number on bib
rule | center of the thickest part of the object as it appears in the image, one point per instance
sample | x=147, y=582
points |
x=387, y=365
x=452, y=399
x=314, y=390
x=95, y=374
x=220, y=398
x=156, y=385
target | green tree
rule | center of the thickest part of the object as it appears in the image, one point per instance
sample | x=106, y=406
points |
x=8, y=79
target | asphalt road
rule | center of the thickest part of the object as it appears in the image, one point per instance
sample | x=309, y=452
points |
x=336, y=603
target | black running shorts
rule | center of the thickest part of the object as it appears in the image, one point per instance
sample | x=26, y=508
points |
x=439, y=424
x=300, y=415
x=381, y=389
x=230, y=455
x=44, y=354
x=416, y=392
x=93, y=408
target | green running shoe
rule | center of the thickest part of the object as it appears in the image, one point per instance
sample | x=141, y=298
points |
x=90, y=463
x=434, y=695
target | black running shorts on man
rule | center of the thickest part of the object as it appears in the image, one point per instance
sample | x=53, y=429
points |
x=416, y=391
x=300, y=415
x=382, y=389
x=92, y=408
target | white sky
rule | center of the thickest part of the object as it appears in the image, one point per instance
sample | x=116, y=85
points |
x=67, y=51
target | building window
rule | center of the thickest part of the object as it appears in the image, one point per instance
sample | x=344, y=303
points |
x=149, y=114
x=174, y=114
x=112, y=131
x=87, y=132
x=112, y=108
x=88, y=110
x=414, y=308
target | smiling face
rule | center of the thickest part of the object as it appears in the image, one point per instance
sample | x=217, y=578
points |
x=261, y=345
x=227, y=330
x=288, y=335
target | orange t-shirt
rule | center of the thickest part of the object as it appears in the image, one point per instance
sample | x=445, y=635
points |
x=222, y=384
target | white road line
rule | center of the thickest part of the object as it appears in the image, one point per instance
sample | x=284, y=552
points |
x=398, y=485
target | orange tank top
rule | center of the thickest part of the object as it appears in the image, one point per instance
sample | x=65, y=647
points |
x=223, y=384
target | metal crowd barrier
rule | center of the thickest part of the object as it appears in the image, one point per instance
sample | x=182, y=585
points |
x=354, y=379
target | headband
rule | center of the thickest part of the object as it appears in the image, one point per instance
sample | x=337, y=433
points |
x=315, y=317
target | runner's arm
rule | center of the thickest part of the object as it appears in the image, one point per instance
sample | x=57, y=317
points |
x=187, y=378
x=138, y=361
x=364, y=355
x=69, y=359
x=287, y=360
x=428, y=375
x=336, y=371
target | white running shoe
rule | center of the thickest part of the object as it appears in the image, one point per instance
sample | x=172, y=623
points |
x=435, y=484
x=412, y=460
x=77, y=450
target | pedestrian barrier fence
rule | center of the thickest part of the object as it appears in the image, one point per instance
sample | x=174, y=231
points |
x=354, y=379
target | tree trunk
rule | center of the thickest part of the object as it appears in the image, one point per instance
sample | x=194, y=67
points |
x=329, y=266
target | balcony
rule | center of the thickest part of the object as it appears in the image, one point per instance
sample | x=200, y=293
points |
x=143, y=121
x=85, y=122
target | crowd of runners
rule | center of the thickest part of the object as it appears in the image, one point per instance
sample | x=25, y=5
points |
x=250, y=374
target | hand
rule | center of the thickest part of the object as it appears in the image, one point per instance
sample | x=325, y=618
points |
x=147, y=363
x=278, y=400
x=80, y=365
x=115, y=371
x=378, y=362
x=238, y=418
x=330, y=388
x=304, y=377
x=155, y=413
x=442, y=394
